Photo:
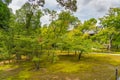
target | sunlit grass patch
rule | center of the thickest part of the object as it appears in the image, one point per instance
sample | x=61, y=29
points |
x=4, y=67
x=69, y=67
x=114, y=60
x=8, y=67
x=24, y=75
x=104, y=58
x=116, y=52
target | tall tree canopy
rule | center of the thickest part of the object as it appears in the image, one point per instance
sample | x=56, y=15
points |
x=111, y=23
x=67, y=4
x=111, y=19
x=4, y=15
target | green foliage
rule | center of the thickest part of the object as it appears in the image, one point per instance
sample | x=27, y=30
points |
x=112, y=19
x=4, y=16
x=7, y=1
x=111, y=25
x=90, y=24
x=53, y=57
x=29, y=16
x=36, y=59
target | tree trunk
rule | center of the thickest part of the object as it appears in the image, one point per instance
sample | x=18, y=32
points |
x=29, y=57
x=110, y=42
x=48, y=52
x=68, y=52
x=110, y=45
x=9, y=58
x=80, y=54
x=28, y=19
x=37, y=65
x=37, y=55
x=75, y=52
x=53, y=58
x=4, y=62
x=18, y=57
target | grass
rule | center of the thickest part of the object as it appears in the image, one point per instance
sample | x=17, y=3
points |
x=68, y=67
x=116, y=52
x=90, y=67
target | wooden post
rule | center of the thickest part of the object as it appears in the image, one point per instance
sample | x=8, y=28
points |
x=116, y=74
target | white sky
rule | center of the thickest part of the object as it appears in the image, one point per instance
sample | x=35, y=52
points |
x=86, y=8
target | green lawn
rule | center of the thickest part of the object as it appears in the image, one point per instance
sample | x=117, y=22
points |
x=90, y=67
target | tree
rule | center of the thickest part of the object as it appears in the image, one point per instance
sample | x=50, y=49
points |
x=79, y=42
x=111, y=23
x=6, y=1
x=80, y=39
x=68, y=4
x=89, y=25
x=29, y=31
x=4, y=15
x=65, y=21
x=25, y=36
x=111, y=19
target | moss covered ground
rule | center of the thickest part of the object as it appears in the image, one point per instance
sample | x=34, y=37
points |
x=68, y=67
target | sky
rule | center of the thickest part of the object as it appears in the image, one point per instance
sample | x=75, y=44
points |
x=86, y=8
